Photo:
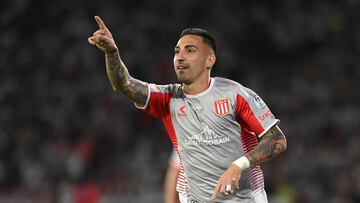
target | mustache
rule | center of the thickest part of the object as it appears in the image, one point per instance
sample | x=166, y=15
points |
x=182, y=64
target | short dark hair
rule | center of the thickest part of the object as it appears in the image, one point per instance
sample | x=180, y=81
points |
x=207, y=38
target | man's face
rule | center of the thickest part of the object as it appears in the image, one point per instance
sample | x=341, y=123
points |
x=192, y=58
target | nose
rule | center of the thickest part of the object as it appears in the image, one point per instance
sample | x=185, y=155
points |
x=179, y=56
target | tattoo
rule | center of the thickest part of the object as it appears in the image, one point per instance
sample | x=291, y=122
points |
x=121, y=80
x=272, y=143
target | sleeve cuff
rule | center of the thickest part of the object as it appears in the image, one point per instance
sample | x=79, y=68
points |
x=147, y=99
x=275, y=122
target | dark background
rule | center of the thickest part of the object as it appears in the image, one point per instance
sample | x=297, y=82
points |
x=65, y=136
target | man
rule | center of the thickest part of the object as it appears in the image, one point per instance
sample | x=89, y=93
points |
x=213, y=123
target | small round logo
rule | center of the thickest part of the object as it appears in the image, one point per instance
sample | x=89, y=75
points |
x=259, y=103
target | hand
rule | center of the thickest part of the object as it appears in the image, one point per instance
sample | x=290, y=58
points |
x=103, y=38
x=228, y=182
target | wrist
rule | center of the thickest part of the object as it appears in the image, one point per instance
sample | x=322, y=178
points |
x=113, y=50
x=243, y=163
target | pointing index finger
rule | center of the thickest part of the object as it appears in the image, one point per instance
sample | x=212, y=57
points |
x=100, y=23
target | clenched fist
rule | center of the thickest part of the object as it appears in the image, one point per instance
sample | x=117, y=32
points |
x=102, y=38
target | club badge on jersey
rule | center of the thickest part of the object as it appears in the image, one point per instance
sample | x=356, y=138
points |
x=222, y=106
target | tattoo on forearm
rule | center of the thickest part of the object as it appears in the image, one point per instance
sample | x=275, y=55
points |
x=271, y=144
x=121, y=80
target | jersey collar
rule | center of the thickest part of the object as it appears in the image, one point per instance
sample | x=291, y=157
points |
x=212, y=81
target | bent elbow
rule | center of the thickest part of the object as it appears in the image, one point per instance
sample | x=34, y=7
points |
x=284, y=144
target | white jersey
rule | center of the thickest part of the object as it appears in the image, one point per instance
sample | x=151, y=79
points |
x=210, y=130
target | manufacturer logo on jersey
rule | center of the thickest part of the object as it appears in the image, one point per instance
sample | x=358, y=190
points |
x=259, y=103
x=181, y=111
x=222, y=107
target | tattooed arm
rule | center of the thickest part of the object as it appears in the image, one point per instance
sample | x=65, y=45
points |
x=272, y=143
x=121, y=80
x=117, y=72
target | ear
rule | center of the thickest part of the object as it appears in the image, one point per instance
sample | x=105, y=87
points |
x=210, y=61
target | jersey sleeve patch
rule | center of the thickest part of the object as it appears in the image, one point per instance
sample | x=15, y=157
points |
x=255, y=113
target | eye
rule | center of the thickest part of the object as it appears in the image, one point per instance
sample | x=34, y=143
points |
x=176, y=51
x=191, y=50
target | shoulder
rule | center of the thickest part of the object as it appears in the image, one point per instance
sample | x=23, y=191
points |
x=168, y=88
x=225, y=84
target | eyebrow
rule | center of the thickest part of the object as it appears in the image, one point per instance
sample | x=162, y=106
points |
x=187, y=46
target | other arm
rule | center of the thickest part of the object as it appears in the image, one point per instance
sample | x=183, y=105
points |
x=170, y=193
x=272, y=143
x=117, y=72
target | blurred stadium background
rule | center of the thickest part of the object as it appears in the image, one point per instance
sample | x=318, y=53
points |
x=66, y=137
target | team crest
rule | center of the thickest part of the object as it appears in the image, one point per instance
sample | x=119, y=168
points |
x=222, y=107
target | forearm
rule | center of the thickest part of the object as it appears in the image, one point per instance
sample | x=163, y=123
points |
x=116, y=70
x=121, y=80
x=272, y=144
x=170, y=193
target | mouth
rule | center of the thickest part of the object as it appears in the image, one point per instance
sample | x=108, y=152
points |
x=181, y=67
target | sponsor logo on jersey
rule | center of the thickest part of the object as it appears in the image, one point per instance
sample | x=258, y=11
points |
x=207, y=137
x=259, y=103
x=222, y=107
x=181, y=111
x=265, y=115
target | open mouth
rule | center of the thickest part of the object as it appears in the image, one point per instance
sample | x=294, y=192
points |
x=181, y=67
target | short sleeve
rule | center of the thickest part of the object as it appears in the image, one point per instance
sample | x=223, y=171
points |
x=158, y=99
x=253, y=113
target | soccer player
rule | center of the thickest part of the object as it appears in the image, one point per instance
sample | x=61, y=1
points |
x=214, y=123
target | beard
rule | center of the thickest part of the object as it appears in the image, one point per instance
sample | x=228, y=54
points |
x=183, y=79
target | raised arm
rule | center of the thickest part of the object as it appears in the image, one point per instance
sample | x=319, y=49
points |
x=116, y=70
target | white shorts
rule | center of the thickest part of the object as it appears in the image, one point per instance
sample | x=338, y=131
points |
x=259, y=197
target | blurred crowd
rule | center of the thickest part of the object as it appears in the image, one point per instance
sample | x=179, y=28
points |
x=66, y=137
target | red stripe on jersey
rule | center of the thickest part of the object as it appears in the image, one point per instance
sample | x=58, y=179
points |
x=245, y=114
x=255, y=173
x=181, y=177
x=181, y=181
x=251, y=142
x=159, y=106
x=256, y=178
x=170, y=130
x=250, y=127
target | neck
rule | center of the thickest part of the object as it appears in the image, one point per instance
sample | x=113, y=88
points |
x=197, y=86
